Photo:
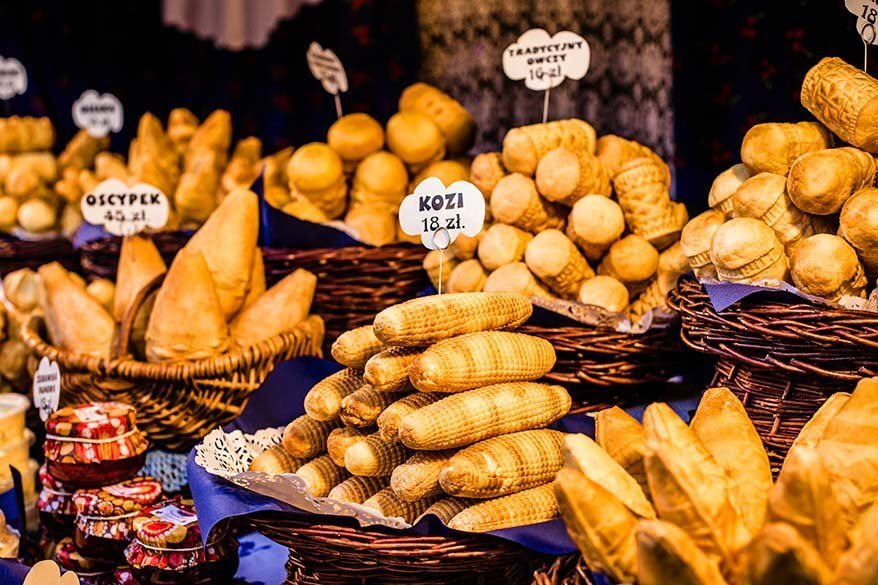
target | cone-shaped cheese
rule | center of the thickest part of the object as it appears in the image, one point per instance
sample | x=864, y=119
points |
x=76, y=321
x=186, y=296
x=139, y=263
x=666, y=554
x=257, y=280
x=725, y=430
x=625, y=441
x=227, y=240
x=859, y=565
x=779, y=555
x=279, y=309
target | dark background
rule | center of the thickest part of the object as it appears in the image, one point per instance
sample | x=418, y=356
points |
x=736, y=63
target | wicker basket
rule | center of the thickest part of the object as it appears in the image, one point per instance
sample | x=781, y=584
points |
x=353, y=283
x=566, y=570
x=782, y=356
x=328, y=554
x=100, y=258
x=177, y=403
x=16, y=254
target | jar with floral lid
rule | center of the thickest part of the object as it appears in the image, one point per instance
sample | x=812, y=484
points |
x=104, y=516
x=168, y=547
x=55, y=505
x=90, y=572
x=94, y=444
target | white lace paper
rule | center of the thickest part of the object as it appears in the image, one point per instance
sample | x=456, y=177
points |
x=655, y=318
x=228, y=455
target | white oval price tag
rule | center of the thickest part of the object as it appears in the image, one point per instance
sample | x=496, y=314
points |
x=13, y=78
x=544, y=62
x=98, y=114
x=47, y=387
x=125, y=210
x=438, y=213
x=326, y=67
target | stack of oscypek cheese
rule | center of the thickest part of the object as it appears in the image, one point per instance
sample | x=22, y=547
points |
x=437, y=411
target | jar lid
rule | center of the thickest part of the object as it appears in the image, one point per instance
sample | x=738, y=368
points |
x=69, y=558
x=92, y=421
x=118, y=500
x=171, y=524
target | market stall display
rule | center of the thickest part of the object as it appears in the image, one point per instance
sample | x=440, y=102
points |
x=797, y=215
x=586, y=226
x=713, y=515
x=352, y=183
x=182, y=380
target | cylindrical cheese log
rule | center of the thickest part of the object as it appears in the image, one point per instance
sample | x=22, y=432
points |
x=556, y=261
x=821, y=181
x=605, y=292
x=845, y=99
x=774, y=146
x=825, y=265
x=566, y=176
x=632, y=261
x=523, y=147
x=858, y=224
x=594, y=224
x=503, y=244
x=515, y=201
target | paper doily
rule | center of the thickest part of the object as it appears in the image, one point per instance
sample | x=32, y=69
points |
x=228, y=455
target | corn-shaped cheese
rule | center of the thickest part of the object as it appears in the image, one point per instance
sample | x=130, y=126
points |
x=615, y=151
x=306, y=437
x=391, y=418
x=391, y=506
x=479, y=359
x=468, y=276
x=486, y=171
x=388, y=371
x=556, y=260
x=566, y=176
x=362, y=408
x=523, y=147
x=504, y=465
x=374, y=457
x=275, y=460
x=430, y=319
x=354, y=348
x=643, y=194
x=321, y=475
x=418, y=477
x=341, y=439
x=515, y=201
x=774, y=146
x=521, y=509
x=356, y=490
x=502, y=244
x=471, y=416
x=845, y=100
x=323, y=401
x=448, y=507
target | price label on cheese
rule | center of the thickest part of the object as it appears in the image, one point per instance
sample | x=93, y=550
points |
x=326, y=67
x=13, y=78
x=47, y=387
x=866, y=12
x=544, y=61
x=439, y=214
x=98, y=113
x=125, y=210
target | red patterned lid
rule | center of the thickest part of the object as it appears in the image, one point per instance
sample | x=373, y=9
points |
x=171, y=524
x=121, y=499
x=93, y=420
x=69, y=558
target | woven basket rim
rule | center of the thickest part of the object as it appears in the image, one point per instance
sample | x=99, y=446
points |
x=241, y=358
